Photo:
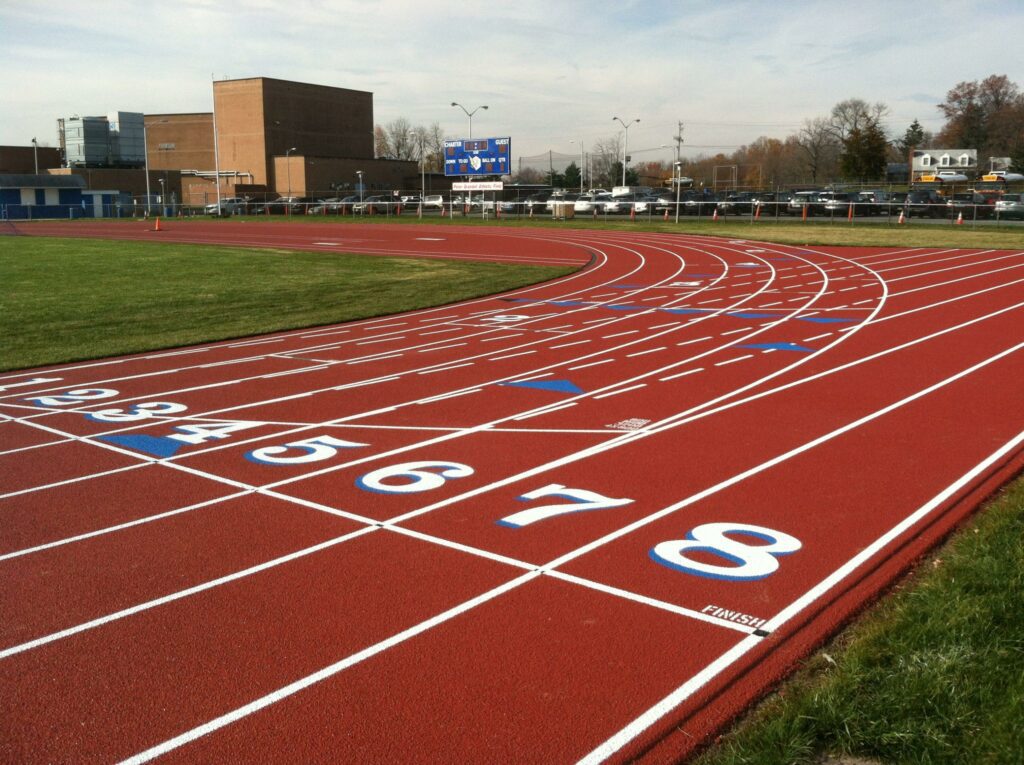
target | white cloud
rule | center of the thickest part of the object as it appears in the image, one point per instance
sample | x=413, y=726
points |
x=550, y=72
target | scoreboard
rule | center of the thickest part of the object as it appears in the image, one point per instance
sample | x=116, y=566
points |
x=478, y=156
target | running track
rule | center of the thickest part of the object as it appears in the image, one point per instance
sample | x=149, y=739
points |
x=589, y=520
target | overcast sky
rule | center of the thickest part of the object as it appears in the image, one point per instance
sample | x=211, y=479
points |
x=551, y=72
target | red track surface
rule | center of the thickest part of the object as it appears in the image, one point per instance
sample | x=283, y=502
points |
x=198, y=599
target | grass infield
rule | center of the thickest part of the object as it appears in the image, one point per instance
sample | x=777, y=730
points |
x=71, y=299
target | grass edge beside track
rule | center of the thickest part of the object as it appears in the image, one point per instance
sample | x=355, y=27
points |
x=931, y=673
x=78, y=299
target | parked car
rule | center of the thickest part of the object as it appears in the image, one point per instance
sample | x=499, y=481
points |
x=924, y=203
x=739, y=203
x=772, y=203
x=549, y=205
x=896, y=203
x=1010, y=206
x=835, y=203
x=621, y=204
x=699, y=204
x=536, y=203
x=372, y=205
x=647, y=204
x=229, y=206
x=433, y=202
x=873, y=202
x=801, y=200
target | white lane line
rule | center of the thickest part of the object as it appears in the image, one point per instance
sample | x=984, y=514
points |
x=769, y=305
x=847, y=289
x=295, y=371
x=243, y=345
x=445, y=369
x=670, y=324
x=500, y=337
x=185, y=353
x=736, y=331
x=623, y=390
x=545, y=411
x=449, y=395
x=620, y=334
x=441, y=331
x=441, y=348
x=326, y=672
x=817, y=337
x=364, y=361
x=644, y=353
x=512, y=355
x=366, y=382
x=595, y=321
x=231, y=361
x=385, y=326
x=440, y=318
x=681, y=374
x=16, y=649
x=733, y=361
x=715, y=300
x=533, y=377
x=591, y=364
x=696, y=340
x=862, y=302
x=325, y=334
x=566, y=345
x=381, y=340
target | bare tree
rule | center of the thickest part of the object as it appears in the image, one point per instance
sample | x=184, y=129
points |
x=607, y=161
x=820, y=147
x=855, y=114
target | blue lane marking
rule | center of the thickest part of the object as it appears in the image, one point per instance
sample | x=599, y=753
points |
x=749, y=265
x=559, y=386
x=155, y=445
x=567, y=302
x=628, y=286
x=687, y=310
x=825, y=320
x=627, y=307
x=779, y=347
x=739, y=315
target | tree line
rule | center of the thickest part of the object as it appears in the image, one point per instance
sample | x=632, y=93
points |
x=848, y=143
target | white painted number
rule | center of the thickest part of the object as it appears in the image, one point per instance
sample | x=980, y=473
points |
x=214, y=431
x=136, y=412
x=582, y=500
x=748, y=561
x=415, y=477
x=74, y=397
x=313, y=450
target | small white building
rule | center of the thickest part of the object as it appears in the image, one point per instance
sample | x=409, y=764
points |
x=932, y=161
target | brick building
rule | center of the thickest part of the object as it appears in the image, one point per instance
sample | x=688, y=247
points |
x=274, y=136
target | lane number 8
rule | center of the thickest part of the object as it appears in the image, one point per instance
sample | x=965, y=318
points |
x=747, y=562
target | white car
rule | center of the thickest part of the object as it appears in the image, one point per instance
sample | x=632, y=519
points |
x=433, y=202
x=228, y=206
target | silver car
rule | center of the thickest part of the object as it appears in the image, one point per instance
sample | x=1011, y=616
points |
x=1010, y=206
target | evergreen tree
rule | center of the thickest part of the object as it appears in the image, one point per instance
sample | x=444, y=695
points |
x=914, y=137
x=571, y=177
x=864, y=151
x=1017, y=159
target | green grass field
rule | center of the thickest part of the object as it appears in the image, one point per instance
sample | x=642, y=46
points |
x=70, y=299
x=934, y=674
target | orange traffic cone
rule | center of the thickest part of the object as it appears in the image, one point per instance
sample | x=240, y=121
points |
x=714, y=215
x=157, y=227
x=757, y=212
x=849, y=214
x=632, y=213
x=959, y=219
x=666, y=214
x=803, y=213
x=901, y=220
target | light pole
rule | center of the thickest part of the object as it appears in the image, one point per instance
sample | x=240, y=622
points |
x=625, y=140
x=288, y=163
x=469, y=194
x=145, y=150
x=581, y=164
x=35, y=154
x=676, y=177
x=469, y=114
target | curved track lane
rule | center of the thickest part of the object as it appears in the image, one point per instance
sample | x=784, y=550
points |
x=589, y=520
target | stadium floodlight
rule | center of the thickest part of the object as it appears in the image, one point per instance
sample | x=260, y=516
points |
x=625, y=139
x=469, y=114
